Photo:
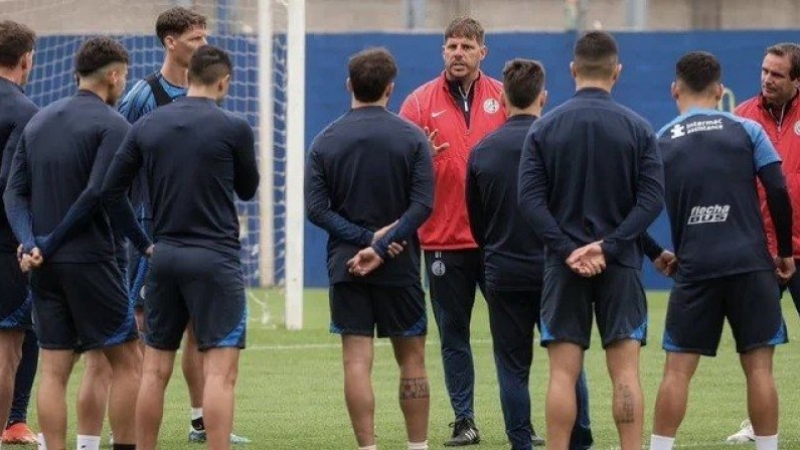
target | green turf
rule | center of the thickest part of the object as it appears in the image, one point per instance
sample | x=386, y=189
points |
x=289, y=394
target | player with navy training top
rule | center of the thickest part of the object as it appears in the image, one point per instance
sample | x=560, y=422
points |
x=54, y=205
x=590, y=182
x=16, y=62
x=369, y=184
x=513, y=256
x=197, y=157
x=181, y=31
x=725, y=270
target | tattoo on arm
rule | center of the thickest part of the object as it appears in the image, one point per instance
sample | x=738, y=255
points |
x=414, y=388
x=625, y=404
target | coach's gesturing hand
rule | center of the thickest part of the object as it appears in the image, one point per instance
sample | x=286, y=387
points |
x=435, y=149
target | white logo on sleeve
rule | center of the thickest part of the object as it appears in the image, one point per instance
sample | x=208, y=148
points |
x=491, y=106
x=436, y=114
x=708, y=214
x=797, y=128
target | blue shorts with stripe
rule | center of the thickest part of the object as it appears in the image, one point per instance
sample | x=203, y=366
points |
x=615, y=297
x=697, y=310
x=199, y=285
x=81, y=306
x=364, y=309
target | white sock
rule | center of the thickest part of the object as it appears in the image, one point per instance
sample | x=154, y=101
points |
x=418, y=445
x=661, y=442
x=40, y=442
x=767, y=442
x=369, y=447
x=88, y=442
x=197, y=413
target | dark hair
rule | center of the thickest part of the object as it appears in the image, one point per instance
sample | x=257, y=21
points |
x=208, y=65
x=370, y=72
x=465, y=27
x=176, y=21
x=16, y=39
x=523, y=80
x=791, y=51
x=98, y=52
x=698, y=70
x=596, y=55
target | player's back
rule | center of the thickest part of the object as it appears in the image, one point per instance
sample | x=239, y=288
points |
x=368, y=157
x=710, y=165
x=594, y=150
x=61, y=143
x=197, y=157
x=513, y=253
x=15, y=111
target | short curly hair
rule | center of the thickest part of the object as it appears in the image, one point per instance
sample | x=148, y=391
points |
x=176, y=21
x=98, y=52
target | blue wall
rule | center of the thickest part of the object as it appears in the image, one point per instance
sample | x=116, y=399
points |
x=648, y=66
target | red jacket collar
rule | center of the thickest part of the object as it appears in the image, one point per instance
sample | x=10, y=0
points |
x=762, y=102
x=444, y=82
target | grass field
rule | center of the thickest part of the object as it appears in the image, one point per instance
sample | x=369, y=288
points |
x=289, y=394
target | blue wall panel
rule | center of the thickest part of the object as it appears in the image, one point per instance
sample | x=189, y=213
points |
x=648, y=66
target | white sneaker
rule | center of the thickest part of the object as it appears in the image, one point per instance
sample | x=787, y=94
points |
x=744, y=435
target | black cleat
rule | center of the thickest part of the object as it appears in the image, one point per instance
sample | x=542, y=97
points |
x=464, y=433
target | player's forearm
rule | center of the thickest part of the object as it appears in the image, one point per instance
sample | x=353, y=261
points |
x=5, y=163
x=532, y=203
x=123, y=218
x=20, y=218
x=246, y=177
x=246, y=184
x=651, y=247
x=339, y=227
x=409, y=222
x=780, y=206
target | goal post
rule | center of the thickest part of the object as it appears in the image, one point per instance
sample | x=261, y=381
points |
x=295, y=161
x=281, y=61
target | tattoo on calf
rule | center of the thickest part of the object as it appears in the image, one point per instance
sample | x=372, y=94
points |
x=624, y=404
x=414, y=388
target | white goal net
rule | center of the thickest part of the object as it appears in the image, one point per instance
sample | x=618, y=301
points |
x=258, y=35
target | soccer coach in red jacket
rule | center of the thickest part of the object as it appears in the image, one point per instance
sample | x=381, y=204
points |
x=456, y=110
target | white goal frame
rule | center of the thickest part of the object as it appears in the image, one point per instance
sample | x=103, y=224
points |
x=295, y=152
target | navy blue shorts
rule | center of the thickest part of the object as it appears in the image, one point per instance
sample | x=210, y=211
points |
x=361, y=308
x=616, y=297
x=15, y=301
x=81, y=307
x=697, y=310
x=197, y=284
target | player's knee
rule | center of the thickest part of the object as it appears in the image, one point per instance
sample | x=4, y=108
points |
x=10, y=355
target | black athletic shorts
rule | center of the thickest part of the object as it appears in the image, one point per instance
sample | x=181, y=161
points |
x=616, y=297
x=697, y=310
x=81, y=306
x=360, y=308
x=195, y=283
